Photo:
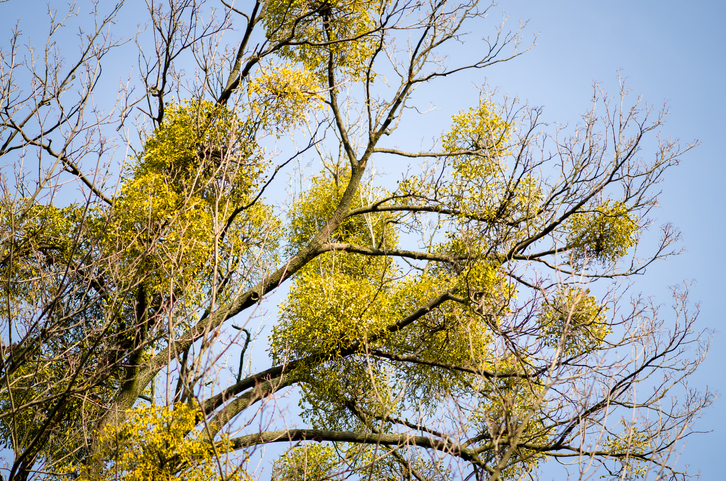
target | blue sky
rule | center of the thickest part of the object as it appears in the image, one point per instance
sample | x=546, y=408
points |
x=670, y=52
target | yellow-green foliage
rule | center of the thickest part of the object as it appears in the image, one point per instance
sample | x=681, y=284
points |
x=575, y=320
x=455, y=334
x=329, y=388
x=602, y=234
x=480, y=186
x=353, y=335
x=344, y=301
x=452, y=334
x=481, y=137
x=34, y=382
x=625, y=446
x=39, y=255
x=321, y=28
x=161, y=242
x=160, y=443
x=309, y=462
x=315, y=462
x=325, y=316
x=340, y=298
x=506, y=410
x=481, y=134
x=200, y=146
x=281, y=96
x=313, y=209
x=196, y=169
x=37, y=242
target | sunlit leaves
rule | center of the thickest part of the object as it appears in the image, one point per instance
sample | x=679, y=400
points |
x=480, y=132
x=629, y=445
x=202, y=149
x=482, y=185
x=310, y=462
x=343, y=31
x=327, y=317
x=345, y=304
x=510, y=410
x=161, y=443
x=603, y=233
x=573, y=321
x=340, y=299
x=37, y=242
x=189, y=197
x=444, y=311
x=315, y=207
x=282, y=96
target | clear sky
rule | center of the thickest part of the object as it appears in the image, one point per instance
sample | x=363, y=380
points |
x=668, y=51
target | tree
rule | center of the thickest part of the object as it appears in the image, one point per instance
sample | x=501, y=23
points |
x=468, y=321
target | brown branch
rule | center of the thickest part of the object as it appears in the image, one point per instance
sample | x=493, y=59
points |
x=323, y=435
x=452, y=367
x=355, y=249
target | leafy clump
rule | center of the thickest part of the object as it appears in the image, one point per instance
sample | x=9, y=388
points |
x=190, y=197
x=343, y=30
x=574, y=320
x=479, y=131
x=307, y=463
x=602, y=234
x=160, y=443
x=282, y=96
